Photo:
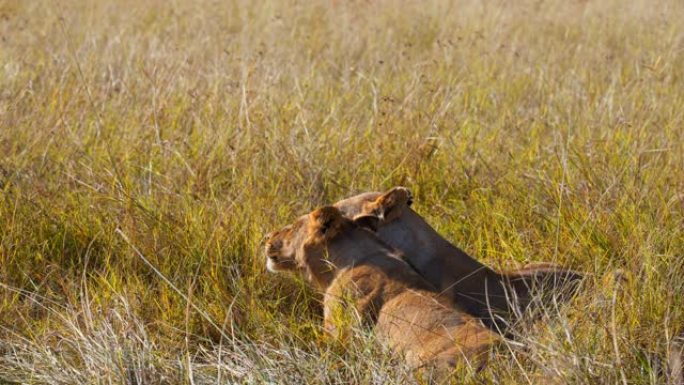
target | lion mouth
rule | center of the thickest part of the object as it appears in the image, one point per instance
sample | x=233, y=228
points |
x=275, y=264
x=271, y=264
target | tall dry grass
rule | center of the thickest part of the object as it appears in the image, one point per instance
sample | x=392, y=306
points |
x=146, y=147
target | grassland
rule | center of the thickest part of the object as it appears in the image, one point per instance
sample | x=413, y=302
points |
x=146, y=147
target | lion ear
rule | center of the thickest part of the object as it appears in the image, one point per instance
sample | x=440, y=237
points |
x=324, y=219
x=396, y=196
x=369, y=222
x=391, y=204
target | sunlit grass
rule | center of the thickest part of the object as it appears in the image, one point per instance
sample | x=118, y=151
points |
x=528, y=131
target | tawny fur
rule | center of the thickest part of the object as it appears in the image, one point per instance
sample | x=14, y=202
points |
x=350, y=264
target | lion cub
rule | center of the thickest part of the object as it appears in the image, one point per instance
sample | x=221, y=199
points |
x=348, y=262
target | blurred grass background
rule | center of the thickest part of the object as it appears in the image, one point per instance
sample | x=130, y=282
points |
x=528, y=131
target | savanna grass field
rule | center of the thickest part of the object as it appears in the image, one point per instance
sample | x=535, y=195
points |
x=147, y=147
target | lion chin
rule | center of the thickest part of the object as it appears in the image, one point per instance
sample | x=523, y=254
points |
x=271, y=266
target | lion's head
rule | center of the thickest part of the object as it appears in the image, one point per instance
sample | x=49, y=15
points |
x=308, y=245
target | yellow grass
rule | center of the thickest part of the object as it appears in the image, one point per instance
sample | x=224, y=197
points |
x=147, y=146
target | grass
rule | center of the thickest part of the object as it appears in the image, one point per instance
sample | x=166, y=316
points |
x=146, y=147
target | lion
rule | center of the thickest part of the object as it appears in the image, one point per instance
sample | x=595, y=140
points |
x=498, y=299
x=346, y=260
